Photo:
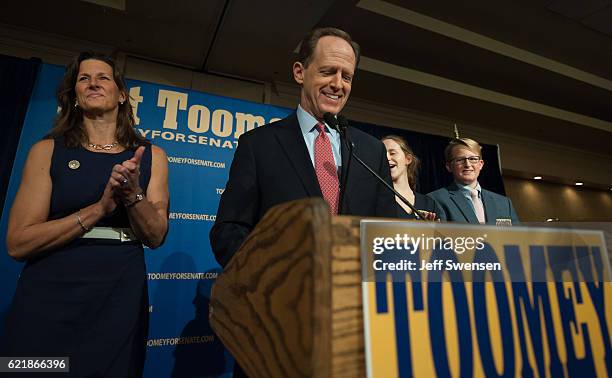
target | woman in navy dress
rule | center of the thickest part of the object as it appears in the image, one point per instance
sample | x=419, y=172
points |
x=404, y=166
x=92, y=193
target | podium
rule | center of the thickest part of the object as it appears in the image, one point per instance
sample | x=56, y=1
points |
x=288, y=304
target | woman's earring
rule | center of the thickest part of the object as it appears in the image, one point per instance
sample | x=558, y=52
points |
x=76, y=103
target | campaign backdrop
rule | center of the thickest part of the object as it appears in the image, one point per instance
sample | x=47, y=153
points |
x=199, y=133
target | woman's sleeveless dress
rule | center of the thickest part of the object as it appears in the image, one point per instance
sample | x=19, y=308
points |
x=86, y=300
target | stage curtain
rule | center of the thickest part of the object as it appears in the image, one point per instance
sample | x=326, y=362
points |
x=17, y=78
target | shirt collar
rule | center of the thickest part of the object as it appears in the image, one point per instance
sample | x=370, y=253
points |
x=307, y=121
x=468, y=189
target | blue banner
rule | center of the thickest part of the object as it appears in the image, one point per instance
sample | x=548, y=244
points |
x=199, y=133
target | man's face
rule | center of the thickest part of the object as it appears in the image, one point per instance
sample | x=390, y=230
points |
x=463, y=170
x=326, y=81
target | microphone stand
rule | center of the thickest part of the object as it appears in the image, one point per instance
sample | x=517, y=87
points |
x=332, y=121
x=340, y=123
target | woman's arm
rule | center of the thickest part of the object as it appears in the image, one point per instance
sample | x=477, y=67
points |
x=149, y=217
x=29, y=233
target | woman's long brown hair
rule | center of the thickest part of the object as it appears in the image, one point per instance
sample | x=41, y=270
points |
x=69, y=121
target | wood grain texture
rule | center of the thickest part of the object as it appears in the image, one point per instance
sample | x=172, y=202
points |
x=271, y=306
x=348, y=351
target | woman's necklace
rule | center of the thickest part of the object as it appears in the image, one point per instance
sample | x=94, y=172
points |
x=105, y=147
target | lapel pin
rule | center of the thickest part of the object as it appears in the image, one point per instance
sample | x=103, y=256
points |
x=74, y=164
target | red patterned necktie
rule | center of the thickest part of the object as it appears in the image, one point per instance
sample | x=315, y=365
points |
x=326, y=170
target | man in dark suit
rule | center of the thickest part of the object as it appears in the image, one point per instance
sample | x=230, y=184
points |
x=464, y=200
x=300, y=156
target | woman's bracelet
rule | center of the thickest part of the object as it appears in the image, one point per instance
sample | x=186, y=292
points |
x=80, y=222
x=139, y=197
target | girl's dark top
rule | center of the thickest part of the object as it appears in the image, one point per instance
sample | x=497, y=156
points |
x=421, y=202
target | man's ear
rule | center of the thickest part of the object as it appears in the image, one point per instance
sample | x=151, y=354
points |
x=298, y=72
x=448, y=168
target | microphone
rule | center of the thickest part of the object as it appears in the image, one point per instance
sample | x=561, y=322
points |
x=342, y=126
x=342, y=123
x=338, y=123
x=331, y=121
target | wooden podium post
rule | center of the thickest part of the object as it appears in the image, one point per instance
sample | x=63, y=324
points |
x=289, y=302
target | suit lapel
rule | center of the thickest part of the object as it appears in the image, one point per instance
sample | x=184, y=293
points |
x=292, y=142
x=344, y=157
x=462, y=203
x=489, y=206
